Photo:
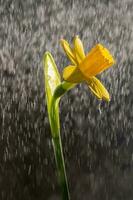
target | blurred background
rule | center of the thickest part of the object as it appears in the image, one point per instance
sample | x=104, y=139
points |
x=97, y=137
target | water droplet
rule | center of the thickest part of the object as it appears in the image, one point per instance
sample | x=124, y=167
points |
x=99, y=107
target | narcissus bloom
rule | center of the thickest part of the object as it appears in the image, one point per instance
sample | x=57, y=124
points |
x=86, y=67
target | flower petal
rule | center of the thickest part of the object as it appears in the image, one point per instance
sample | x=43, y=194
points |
x=98, y=89
x=78, y=49
x=68, y=51
x=97, y=60
x=72, y=74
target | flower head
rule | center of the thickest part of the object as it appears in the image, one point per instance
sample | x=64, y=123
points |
x=86, y=67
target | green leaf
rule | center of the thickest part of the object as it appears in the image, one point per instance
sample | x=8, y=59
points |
x=52, y=81
x=51, y=76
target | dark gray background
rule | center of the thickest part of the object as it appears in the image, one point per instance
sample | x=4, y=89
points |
x=98, y=145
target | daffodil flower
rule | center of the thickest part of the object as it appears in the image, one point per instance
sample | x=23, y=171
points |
x=84, y=68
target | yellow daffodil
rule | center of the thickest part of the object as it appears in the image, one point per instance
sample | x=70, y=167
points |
x=86, y=67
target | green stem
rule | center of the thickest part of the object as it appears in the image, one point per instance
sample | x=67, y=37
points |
x=61, y=168
x=56, y=138
x=60, y=90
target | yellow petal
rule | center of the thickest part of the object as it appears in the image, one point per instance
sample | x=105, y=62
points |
x=97, y=60
x=98, y=89
x=78, y=49
x=72, y=74
x=68, y=51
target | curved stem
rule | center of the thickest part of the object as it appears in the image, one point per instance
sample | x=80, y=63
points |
x=56, y=138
